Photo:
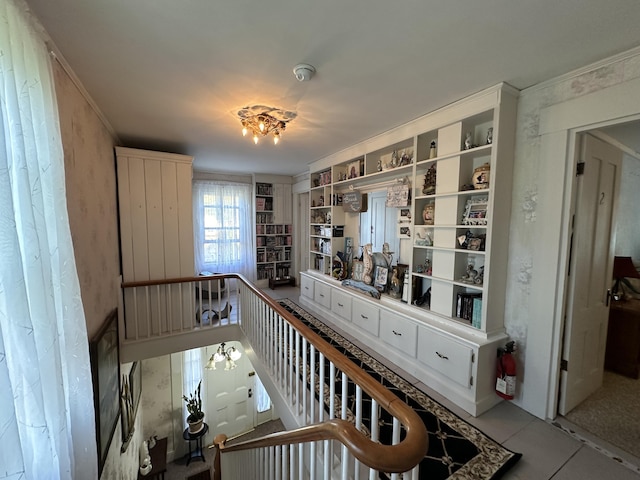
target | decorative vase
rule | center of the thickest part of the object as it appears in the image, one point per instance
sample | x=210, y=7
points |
x=427, y=214
x=480, y=177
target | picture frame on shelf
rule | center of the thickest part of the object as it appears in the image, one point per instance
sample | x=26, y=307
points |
x=405, y=215
x=404, y=231
x=381, y=278
x=353, y=169
x=475, y=211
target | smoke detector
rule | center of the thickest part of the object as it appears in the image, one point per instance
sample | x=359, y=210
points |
x=304, y=72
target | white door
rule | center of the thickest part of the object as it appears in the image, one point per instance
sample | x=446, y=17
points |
x=379, y=224
x=229, y=405
x=590, y=272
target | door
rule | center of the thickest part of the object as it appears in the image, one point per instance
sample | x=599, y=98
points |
x=590, y=272
x=229, y=403
x=379, y=223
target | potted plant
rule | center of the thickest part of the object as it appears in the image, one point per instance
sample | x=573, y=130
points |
x=194, y=407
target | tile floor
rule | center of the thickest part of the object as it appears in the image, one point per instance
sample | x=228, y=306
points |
x=548, y=452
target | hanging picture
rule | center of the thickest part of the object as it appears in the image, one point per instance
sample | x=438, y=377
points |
x=105, y=371
x=398, y=195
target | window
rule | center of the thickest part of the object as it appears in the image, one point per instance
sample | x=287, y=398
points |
x=223, y=227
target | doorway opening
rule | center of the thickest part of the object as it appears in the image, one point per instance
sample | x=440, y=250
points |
x=608, y=413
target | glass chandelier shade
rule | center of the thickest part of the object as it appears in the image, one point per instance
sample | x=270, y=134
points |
x=229, y=356
x=262, y=121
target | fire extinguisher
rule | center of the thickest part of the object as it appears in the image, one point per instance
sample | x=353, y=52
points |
x=506, y=371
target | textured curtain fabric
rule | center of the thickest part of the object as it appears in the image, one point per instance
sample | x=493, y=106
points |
x=47, y=428
x=192, y=375
x=223, y=224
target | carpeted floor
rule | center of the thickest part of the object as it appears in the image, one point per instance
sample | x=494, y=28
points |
x=457, y=450
x=611, y=413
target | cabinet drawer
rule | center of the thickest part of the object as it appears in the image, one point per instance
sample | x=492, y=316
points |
x=398, y=332
x=306, y=286
x=450, y=358
x=365, y=316
x=341, y=304
x=322, y=294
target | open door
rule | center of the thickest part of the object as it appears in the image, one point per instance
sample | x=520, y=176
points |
x=591, y=263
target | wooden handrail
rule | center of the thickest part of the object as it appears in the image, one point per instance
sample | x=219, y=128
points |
x=388, y=458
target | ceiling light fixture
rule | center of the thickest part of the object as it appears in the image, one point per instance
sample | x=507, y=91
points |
x=228, y=356
x=261, y=121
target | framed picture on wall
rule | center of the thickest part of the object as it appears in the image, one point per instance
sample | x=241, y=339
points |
x=105, y=371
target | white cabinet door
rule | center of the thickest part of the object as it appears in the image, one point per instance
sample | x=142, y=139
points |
x=306, y=286
x=398, y=332
x=341, y=304
x=365, y=316
x=450, y=358
x=322, y=294
x=282, y=203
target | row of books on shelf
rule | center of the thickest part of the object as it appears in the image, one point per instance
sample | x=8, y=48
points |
x=264, y=217
x=274, y=229
x=275, y=241
x=273, y=255
x=264, y=189
x=265, y=272
x=263, y=204
x=469, y=307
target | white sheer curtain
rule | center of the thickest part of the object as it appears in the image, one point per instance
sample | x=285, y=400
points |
x=47, y=425
x=223, y=224
x=191, y=375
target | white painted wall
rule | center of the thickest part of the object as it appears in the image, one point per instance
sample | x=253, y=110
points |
x=536, y=237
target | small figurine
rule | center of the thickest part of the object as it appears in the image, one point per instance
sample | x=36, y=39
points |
x=432, y=150
x=490, y=136
x=396, y=286
x=394, y=159
x=467, y=141
x=379, y=165
x=471, y=274
x=429, y=187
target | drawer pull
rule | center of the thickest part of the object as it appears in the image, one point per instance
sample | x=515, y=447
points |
x=444, y=357
x=399, y=334
x=321, y=295
x=306, y=288
x=364, y=316
x=340, y=305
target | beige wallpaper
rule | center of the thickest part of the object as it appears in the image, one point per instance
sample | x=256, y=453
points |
x=91, y=200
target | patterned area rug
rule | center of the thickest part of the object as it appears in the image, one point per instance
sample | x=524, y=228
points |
x=457, y=450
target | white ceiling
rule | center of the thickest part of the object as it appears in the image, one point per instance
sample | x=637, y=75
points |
x=171, y=75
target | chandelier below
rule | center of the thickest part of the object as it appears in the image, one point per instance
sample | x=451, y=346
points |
x=262, y=121
x=228, y=356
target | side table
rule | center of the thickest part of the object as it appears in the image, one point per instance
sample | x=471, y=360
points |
x=196, y=438
x=158, y=456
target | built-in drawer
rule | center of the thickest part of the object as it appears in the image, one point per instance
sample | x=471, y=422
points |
x=450, y=358
x=341, y=304
x=365, y=316
x=322, y=294
x=398, y=332
x=306, y=286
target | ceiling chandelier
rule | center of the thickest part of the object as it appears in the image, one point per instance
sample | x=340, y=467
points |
x=228, y=356
x=262, y=121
